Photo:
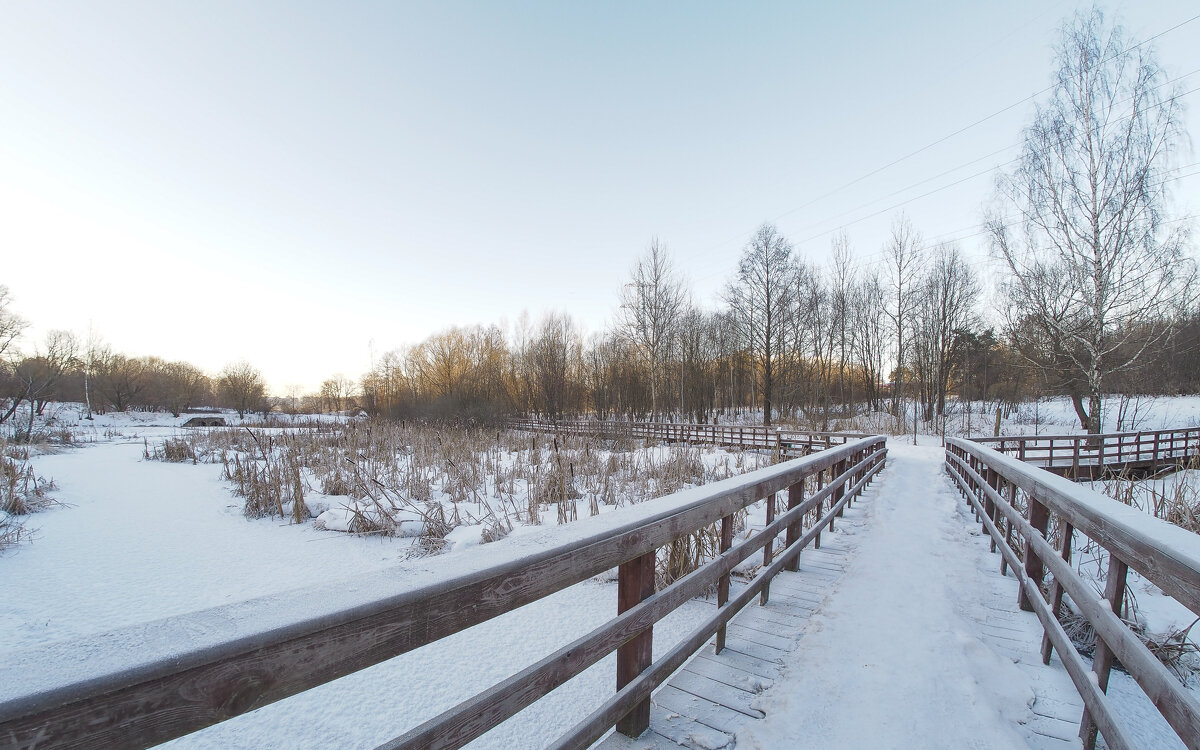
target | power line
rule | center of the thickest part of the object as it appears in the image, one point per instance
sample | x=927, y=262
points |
x=949, y=136
x=960, y=181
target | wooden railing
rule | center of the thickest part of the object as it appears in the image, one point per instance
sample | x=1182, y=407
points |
x=151, y=683
x=1092, y=456
x=788, y=442
x=1018, y=505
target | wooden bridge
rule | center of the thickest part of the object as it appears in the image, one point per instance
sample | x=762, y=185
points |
x=786, y=442
x=1088, y=457
x=164, y=680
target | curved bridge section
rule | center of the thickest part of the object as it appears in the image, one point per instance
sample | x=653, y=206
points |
x=1087, y=457
x=787, y=442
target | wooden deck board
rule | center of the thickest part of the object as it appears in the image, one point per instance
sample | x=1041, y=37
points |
x=767, y=670
x=701, y=710
x=730, y=697
x=725, y=671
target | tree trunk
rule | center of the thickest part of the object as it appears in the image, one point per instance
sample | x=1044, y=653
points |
x=1094, y=424
x=1077, y=402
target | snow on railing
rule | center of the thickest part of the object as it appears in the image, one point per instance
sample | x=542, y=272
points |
x=1087, y=457
x=789, y=442
x=1018, y=504
x=153, y=682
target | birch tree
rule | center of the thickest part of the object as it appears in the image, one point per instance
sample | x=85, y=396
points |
x=1094, y=267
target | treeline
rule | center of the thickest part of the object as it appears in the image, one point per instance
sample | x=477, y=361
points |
x=62, y=367
x=812, y=343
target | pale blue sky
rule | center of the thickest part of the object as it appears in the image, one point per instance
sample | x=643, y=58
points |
x=290, y=182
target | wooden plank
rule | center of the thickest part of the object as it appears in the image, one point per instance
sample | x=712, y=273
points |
x=729, y=674
x=699, y=709
x=767, y=616
x=750, y=648
x=762, y=638
x=793, y=606
x=687, y=732
x=765, y=668
x=730, y=697
x=802, y=590
x=651, y=740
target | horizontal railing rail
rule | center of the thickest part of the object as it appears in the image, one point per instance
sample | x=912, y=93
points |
x=162, y=680
x=1091, y=456
x=1024, y=508
x=789, y=442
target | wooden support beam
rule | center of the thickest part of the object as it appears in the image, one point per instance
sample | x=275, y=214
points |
x=1039, y=518
x=795, y=497
x=635, y=583
x=769, y=550
x=1056, y=590
x=723, y=581
x=1102, y=660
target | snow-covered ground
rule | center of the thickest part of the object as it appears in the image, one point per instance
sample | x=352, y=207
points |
x=1056, y=416
x=141, y=540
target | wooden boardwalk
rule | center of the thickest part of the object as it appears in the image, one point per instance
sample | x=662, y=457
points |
x=1085, y=458
x=713, y=695
x=1017, y=636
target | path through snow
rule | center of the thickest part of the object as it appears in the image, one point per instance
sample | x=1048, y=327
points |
x=889, y=662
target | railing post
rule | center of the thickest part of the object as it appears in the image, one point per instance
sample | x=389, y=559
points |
x=1114, y=592
x=993, y=480
x=723, y=581
x=839, y=468
x=820, y=507
x=1056, y=590
x=769, y=550
x=1012, y=503
x=795, y=530
x=1039, y=518
x=635, y=582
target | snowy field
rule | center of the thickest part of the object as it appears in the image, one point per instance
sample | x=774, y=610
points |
x=137, y=540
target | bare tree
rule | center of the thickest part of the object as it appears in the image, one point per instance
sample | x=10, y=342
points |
x=11, y=324
x=1093, y=268
x=120, y=380
x=555, y=355
x=945, y=310
x=11, y=328
x=760, y=297
x=94, y=352
x=870, y=332
x=903, y=252
x=841, y=286
x=651, y=304
x=242, y=387
x=40, y=373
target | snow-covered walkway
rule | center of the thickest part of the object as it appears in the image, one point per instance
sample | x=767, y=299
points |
x=891, y=661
